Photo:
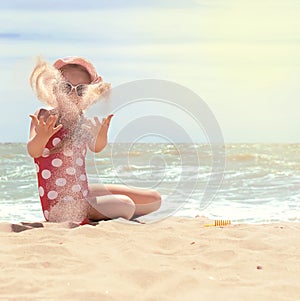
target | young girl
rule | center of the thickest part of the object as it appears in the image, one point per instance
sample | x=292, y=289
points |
x=59, y=139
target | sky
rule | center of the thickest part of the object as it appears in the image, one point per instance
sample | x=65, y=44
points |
x=241, y=57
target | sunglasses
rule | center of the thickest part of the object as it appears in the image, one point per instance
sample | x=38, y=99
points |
x=67, y=88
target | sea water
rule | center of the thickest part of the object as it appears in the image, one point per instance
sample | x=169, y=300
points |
x=261, y=182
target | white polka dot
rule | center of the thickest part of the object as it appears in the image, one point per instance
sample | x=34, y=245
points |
x=68, y=152
x=57, y=162
x=46, y=152
x=37, y=168
x=46, y=174
x=84, y=152
x=52, y=194
x=79, y=161
x=61, y=182
x=68, y=198
x=71, y=171
x=76, y=188
x=46, y=214
x=85, y=193
x=55, y=141
x=41, y=191
x=82, y=177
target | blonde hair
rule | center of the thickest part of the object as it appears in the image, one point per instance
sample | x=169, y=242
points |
x=43, y=80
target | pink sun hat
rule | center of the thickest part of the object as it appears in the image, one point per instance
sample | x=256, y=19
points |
x=79, y=61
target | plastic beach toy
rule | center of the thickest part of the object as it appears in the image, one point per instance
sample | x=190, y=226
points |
x=219, y=223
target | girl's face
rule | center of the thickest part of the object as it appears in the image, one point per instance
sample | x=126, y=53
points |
x=76, y=75
x=76, y=78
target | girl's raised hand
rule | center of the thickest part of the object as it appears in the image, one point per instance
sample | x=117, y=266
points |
x=45, y=129
x=98, y=131
x=97, y=128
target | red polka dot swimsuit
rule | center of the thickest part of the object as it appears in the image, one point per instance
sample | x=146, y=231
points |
x=61, y=175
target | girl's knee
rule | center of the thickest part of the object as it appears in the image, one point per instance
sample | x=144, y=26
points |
x=128, y=206
x=126, y=200
x=155, y=198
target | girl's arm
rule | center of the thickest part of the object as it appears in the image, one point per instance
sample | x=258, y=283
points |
x=99, y=132
x=40, y=132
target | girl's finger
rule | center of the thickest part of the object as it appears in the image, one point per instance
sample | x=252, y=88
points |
x=90, y=122
x=97, y=121
x=53, y=117
x=48, y=123
x=42, y=120
x=51, y=121
x=85, y=126
x=34, y=120
x=56, y=129
x=108, y=119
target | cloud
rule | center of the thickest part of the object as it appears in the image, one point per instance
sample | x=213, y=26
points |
x=78, y=5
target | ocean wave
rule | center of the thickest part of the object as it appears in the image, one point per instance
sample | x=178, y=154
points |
x=261, y=182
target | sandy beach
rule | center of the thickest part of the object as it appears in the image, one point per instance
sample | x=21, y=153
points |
x=175, y=259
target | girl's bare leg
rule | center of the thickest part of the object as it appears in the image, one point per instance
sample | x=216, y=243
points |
x=119, y=199
x=110, y=206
